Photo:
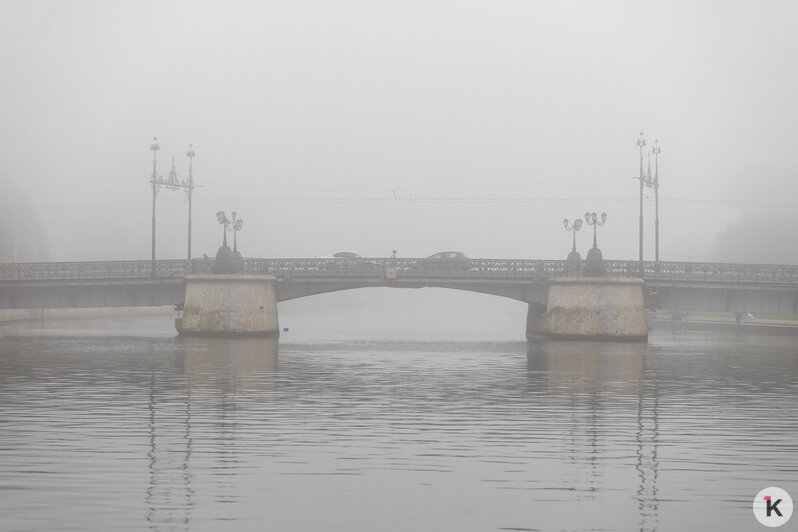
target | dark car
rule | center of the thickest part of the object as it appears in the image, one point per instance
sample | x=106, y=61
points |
x=444, y=262
x=349, y=264
x=345, y=255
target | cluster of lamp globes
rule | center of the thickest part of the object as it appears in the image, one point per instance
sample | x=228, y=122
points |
x=231, y=223
x=591, y=218
x=229, y=261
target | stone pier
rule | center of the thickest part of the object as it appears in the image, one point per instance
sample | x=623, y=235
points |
x=591, y=308
x=229, y=305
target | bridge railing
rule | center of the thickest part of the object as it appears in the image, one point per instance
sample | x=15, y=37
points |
x=706, y=272
x=522, y=269
x=136, y=269
x=407, y=269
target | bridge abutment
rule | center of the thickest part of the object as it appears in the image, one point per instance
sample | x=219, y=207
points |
x=597, y=308
x=229, y=305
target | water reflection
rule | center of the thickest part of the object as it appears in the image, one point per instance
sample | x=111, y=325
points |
x=229, y=365
x=171, y=433
x=216, y=372
x=647, y=464
x=608, y=381
x=582, y=369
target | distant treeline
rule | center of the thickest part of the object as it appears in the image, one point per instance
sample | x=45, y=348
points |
x=768, y=238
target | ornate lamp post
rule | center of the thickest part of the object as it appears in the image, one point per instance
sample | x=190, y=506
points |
x=154, y=147
x=227, y=260
x=190, y=154
x=592, y=219
x=574, y=227
x=225, y=221
x=655, y=183
x=594, y=264
x=237, y=224
x=641, y=143
x=172, y=183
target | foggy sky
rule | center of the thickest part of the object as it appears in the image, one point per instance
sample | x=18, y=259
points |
x=420, y=126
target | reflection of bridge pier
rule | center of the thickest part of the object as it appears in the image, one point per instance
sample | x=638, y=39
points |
x=611, y=403
x=191, y=407
x=244, y=361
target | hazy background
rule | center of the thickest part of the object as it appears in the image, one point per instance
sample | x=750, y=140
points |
x=421, y=126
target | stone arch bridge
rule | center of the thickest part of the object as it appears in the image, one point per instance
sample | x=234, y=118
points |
x=739, y=288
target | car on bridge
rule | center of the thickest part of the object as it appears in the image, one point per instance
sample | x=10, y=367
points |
x=344, y=255
x=349, y=263
x=443, y=262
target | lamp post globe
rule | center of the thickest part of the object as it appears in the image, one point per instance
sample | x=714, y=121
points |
x=573, y=257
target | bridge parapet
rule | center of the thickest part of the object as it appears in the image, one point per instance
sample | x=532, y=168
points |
x=129, y=269
x=522, y=270
x=405, y=268
x=706, y=271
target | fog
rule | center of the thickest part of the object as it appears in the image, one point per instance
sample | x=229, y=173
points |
x=420, y=126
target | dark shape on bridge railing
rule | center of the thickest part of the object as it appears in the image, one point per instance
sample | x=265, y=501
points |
x=574, y=257
x=574, y=266
x=594, y=264
x=226, y=262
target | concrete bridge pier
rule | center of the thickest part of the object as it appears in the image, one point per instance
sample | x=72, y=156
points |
x=229, y=305
x=591, y=308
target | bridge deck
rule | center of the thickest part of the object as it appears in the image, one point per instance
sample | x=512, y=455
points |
x=409, y=269
x=670, y=285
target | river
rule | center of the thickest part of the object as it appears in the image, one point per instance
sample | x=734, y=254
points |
x=119, y=425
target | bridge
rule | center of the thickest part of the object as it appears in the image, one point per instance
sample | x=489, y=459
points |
x=740, y=288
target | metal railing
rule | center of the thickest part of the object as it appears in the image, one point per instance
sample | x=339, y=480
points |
x=706, y=271
x=406, y=269
x=129, y=269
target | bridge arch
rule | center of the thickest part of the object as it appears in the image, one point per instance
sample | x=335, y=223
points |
x=535, y=292
x=428, y=312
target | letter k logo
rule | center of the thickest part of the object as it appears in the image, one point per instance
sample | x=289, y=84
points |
x=773, y=506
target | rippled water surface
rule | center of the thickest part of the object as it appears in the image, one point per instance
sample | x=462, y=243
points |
x=120, y=428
